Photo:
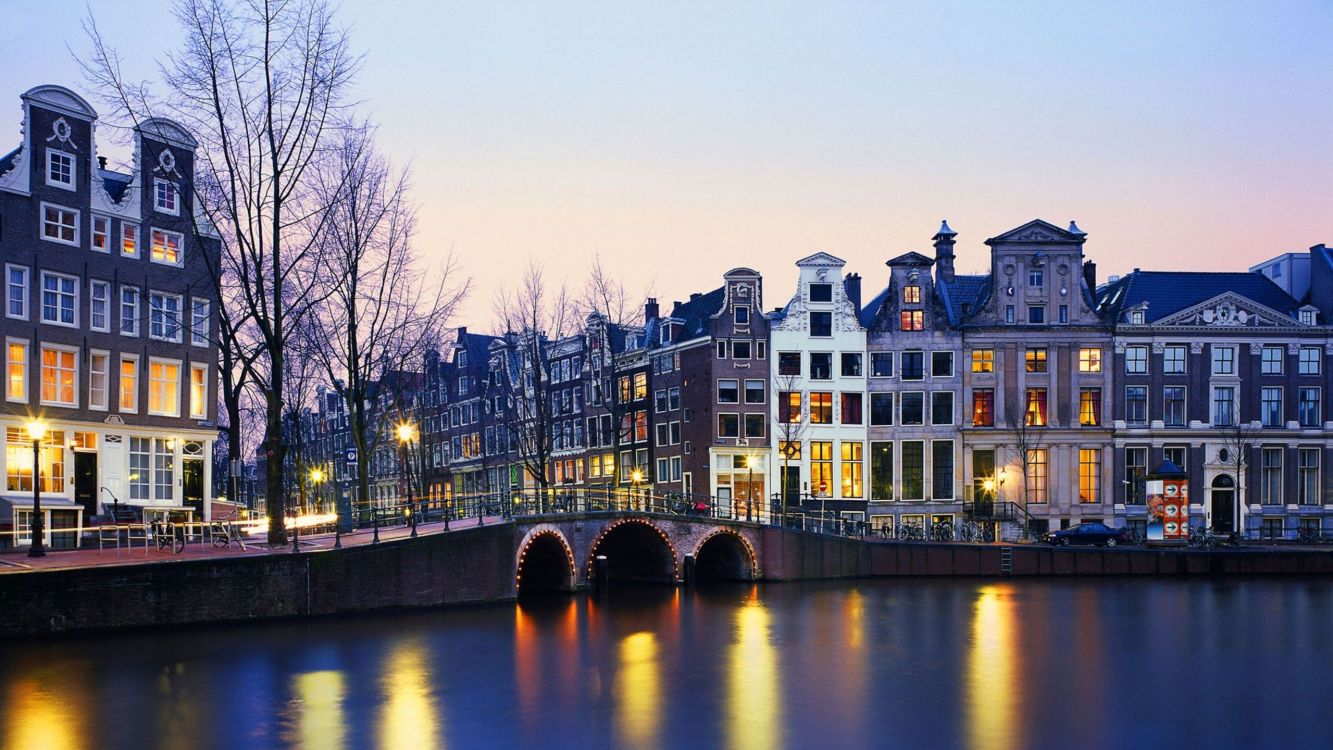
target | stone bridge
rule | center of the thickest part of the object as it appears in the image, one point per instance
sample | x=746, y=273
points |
x=560, y=552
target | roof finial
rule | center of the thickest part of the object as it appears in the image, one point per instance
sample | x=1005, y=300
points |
x=945, y=231
x=1073, y=229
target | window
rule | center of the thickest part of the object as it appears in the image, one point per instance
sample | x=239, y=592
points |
x=1136, y=317
x=1089, y=475
x=1173, y=360
x=1176, y=454
x=129, y=382
x=821, y=324
x=101, y=234
x=129, y=311
x=1307, y=411
x=1136, y=360
x=941, y=407
x=941, y=470
x=164, y=388
x=754, y=425
x=983, y=360
x=1064, y=313
x=1136, y=404
x=851, y=364
x=165, y=197
x=881, y=364
x=821, y=366
x=741, y=316
x=1036, y=314
x=1270, y=360
x=18, y=462
x=913, y=405
x=754, y=391
x=983, y=407
x=728, y=392
x=850, y=408
x=1224, y=360
x=1309, y=361
x=821, y=292
x=198, y=391
x=1090, y=407
x=852, y=467
x=99, y=364
x=1270, y=476
x=166, y=247
x=740, y=350
x=941, y=364
x=60, y=224
x=1307, y=477
x=913, y=366
x=16, y=291
x=164, y=316
x=99, y=305
x=60, y=171
x=1036, y=360
x=152, y=469
x=1270, y=406
x=60, y=299
x=1173, y=406
x=789, y=407
x=821, y=408
x=881, y=470
x=1036, y=278
x=640, y=386
x=16, y=370
x=1090, y=359
x=199, y=321
x=821, y=465
x=59, y=376
x=881, y=409
x=1036, y=476
x=912, y=294
x=1136, y=471
x=673, y=398
x=1224, y=406
x=129, y=240
x=912, y=320
x=914, y=469
x=760, y=349
x=789, y=363
x=1035, y=413
x=1009, y=314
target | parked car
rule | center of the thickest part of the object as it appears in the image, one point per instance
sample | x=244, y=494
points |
x=1089, y=533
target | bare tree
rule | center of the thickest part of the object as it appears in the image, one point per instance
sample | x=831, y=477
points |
x=790, y=430
x=1240, y=439
x=381, y=312
x=1027, y=430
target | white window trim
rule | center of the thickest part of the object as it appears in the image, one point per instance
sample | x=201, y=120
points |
x=92, y=244
x=27, y=290
x=739, y=391
x=27, y=376
x=138, y=310
x=106, y=391
x=42, y=302
x=180, y=247
x=1212, y=360
x=41, y=380
x=129, y=227
x=149, y=370
x=198, y=367
x=73, y=183
x=763, y=385
x=740, y=425
x=120, y=386
x=180, y=325
x=157, y=206
x=110, y=304
x=41, y=224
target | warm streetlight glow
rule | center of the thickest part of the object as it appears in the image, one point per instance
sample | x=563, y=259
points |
x=988, y=484
x=750, y=461
x=406, y=432
x=316, y=475
x=36, y=429
x=636, y=475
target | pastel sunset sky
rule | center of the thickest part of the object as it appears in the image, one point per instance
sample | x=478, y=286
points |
x=681, y=139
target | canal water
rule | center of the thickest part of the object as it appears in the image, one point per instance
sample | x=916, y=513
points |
x=885, y=663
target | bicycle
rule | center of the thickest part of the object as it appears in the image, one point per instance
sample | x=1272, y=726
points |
x=941, y=531
x=1306, y=535
x=168, y=535
x=225, y=531
x=1201, y=538
x=1134, y=535
x=911, y=531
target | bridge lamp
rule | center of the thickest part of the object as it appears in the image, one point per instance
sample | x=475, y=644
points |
x=37, y=431
x=750, y=461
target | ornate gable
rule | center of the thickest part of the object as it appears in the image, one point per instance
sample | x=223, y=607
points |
x=1228, y=310
x=821, y=260
x=911, y=259
x=1036, y=231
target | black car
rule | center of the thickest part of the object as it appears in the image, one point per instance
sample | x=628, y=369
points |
x=1088, y=533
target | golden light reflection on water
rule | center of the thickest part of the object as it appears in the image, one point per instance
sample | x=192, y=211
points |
x=753, y=694
x=409, y=717
x=320, y=723
x=638, y=691
x=35, y=717
x=993, y=700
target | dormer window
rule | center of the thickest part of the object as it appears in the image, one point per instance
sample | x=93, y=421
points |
x=165, y=198
x=742, y=316
x=1136, y=317
x=461, y=358
x=60, y=169
x=911, y=295
x=666, y=334
x=1307, y=317
x=821, y=292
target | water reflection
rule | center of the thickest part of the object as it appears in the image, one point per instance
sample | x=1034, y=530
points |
x=638, y=691
x=409, y=715
x=993, y=698
x=34, y=716
x=753, y=694
x=320, y=722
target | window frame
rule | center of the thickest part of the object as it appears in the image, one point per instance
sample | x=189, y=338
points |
x=27, y=291
x=60, y=294
x=73, y=183
x=166, y=234
x=42, y=224
x=74, y=353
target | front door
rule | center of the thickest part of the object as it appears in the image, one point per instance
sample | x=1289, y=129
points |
x=791, y=485
x=85, y=482
x=1224, y=511
x=192, y=484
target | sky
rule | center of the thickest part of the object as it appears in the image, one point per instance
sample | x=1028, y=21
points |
x=678, y=140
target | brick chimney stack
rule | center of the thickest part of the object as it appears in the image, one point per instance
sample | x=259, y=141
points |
x=944, y=251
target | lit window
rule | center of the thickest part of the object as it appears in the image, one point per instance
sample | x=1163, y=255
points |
x=1036, y=360
x=129, y=382
x=101, y=234
x=98, y=364
x=129, y=240
x=983, y=360
x=16, y=370
x=1036, y=407
x=1090, y=407
x=167, y=247
x=199, y=391
x=59, y=376
x=1090, y=359
x=912, y=294
x=164, y=382
x=1089, y=475
x=912, y=320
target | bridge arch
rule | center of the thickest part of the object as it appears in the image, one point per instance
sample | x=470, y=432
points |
x=545, y=562
x=636, y=549
x=724, y=554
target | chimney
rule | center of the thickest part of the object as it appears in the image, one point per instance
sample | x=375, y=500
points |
x=944, y=251
x=101, y=162
x=650, y=310
x=695, y=295
x=1090, y=275
x=852, y=286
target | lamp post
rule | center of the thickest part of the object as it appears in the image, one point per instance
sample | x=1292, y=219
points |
x=749, y=489
x=407, y=432
x=37, y=431
x=635, y=477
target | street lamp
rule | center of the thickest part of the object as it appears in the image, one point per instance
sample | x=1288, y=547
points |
x=37, y=431
x=749, y=489
x=635, y=477
x=407, y=432
x=317, y=476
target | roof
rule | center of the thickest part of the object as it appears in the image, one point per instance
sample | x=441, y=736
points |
x=911, y=259
x=7, y=161
x=971, y=291
x=1168, y=292
x=871, y=309
x=115, y=183
x=695, y=314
